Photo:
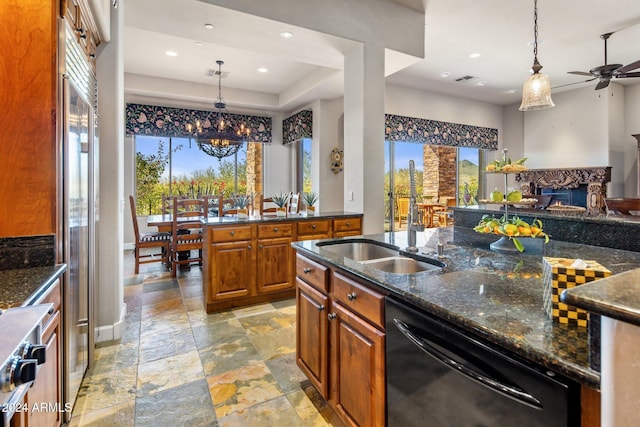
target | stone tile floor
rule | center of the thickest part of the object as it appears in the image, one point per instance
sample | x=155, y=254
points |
x=177, y=365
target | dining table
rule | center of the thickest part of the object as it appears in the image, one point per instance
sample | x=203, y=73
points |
x=427, y=210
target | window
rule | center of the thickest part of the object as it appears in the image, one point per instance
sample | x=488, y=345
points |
x=468, y=175
x=303, y=166
x=176, y=166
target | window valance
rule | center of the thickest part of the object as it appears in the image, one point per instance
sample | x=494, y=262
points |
x=298, y=126
x=168, y=121
x=434, y=132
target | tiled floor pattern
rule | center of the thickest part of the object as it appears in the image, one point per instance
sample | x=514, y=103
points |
x=177, y=366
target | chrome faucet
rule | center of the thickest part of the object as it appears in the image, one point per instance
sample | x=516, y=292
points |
x=414, y=221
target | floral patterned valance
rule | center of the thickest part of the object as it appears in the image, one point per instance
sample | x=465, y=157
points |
x=298, y=126
x=434, y=132
x=168, y=121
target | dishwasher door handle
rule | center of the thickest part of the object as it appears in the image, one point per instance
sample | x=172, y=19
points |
x=496, y=385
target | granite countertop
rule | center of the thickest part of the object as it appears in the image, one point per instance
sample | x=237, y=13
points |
x=616, y=296
x=22, y=287
x=497, y=296
x=289, y=217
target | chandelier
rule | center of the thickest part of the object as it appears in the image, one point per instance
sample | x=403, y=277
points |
x=536, y=91
x=224, y=138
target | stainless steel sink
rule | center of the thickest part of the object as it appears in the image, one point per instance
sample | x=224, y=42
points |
x=359, y=251
x=401, y=265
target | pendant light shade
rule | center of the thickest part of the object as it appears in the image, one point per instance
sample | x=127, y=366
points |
x=536, y=90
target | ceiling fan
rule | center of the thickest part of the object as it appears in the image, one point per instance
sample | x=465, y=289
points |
x=608, y=71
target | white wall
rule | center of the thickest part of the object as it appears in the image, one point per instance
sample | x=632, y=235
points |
x=631, y=127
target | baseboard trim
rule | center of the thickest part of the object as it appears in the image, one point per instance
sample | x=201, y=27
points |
x=112, y=332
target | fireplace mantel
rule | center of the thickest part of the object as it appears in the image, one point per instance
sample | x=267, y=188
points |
x=595, y=178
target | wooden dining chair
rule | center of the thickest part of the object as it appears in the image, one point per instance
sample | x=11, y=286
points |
x=159, y=240
x=226, y=206
x=403, y=210
x=266, y=206
x=443, y=215
x=294, y=203
x=187, y=231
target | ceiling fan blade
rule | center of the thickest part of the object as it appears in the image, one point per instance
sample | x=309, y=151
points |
x=574, y=83
x=625, y=75
x=629, y=67
x=580, y=73
x=602, y=84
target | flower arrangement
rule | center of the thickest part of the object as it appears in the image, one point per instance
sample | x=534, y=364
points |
x=512, y=228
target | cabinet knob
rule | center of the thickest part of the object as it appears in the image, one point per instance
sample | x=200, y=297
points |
x=233, y=233
x=331, y=316
x=276, y=229
x=351, y=296
x=348, y=224
x=321, y=308
x=313, y=226
x=249, y=247
x=306, y=270
x=260, y=246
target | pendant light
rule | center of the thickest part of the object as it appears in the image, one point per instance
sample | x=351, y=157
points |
x=536, y=91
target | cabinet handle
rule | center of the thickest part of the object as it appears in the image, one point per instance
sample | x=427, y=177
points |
x=306, y=270
x=249, y=247
x=233, y=233
x=276, y=229
x=321, y=307
x=313, y=226
x=348, y=224
x=351, y=296
x=331, y=316
x=82, y=33
x=260, y=246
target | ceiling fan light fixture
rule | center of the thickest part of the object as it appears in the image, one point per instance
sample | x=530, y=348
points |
x=536, y=90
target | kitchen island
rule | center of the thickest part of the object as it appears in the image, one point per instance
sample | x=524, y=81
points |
x=248, y=261
x=496, y=297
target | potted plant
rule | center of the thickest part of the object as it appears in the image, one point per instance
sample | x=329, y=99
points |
x=281, y=203
x=241, y=202
x=310, y=200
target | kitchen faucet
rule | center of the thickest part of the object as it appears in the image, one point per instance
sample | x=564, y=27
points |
x=414, y=221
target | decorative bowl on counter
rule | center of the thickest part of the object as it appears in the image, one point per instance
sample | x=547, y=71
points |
x=512, y=229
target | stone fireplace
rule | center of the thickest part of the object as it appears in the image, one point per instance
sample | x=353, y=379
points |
x=569, y=185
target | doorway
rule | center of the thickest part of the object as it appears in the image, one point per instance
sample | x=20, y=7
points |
x=396, y=181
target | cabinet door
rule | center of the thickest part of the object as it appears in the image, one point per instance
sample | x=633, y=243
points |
x=45, y=392
x=274, y=265
x=231, y=270
x=311, y=336
x=357, y=368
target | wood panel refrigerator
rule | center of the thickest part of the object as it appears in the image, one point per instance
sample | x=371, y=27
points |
x=78, y=102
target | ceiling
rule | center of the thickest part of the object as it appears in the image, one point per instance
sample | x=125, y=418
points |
x=309, y=65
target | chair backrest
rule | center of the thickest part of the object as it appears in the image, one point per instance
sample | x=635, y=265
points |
x=266, y=206
x=294, y=203
x=134, y=217
x=167, y=204
x=622, y=205
x=187, y=214
x=403, y=206
x=226, y=206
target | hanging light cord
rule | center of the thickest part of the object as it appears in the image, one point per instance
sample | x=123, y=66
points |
x=536, y=65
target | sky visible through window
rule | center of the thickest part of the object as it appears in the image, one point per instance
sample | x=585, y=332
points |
x=187, y=157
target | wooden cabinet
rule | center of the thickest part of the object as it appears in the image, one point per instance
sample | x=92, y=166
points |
x=275, y=257
x=312, y=230
x=351, y=350
x=347, y=227
x=78, y=15
x=46, y=392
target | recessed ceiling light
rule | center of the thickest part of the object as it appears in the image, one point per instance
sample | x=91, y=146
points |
x=445, y=74
x=263, y=70
x=198, y=43
x=286, y=34
x=171, y=53
x=482, y=83
x=474, y=55
x=208, y=26
x=510, y=91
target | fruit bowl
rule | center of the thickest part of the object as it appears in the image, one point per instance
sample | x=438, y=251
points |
x=510, y=229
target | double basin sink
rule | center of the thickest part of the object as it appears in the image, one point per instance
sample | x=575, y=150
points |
x=381, y=256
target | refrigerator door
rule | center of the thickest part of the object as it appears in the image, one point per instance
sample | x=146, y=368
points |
x=76, y=291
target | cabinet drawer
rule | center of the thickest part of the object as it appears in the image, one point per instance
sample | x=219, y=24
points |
x=230, y=234
x=275, y=230
x=347, y=225
x=311, y=272
x=359, y=298
x=309, y=228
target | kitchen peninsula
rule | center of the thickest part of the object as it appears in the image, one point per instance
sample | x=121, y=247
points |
x=248, y=261
x=496, y=298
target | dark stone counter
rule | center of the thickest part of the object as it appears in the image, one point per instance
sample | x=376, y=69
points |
x=496, y=296
x=272, y=218
x=616, y=296
x=614, y=231
x=22, y=287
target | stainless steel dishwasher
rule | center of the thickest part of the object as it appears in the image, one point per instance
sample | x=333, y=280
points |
x=438, y=376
